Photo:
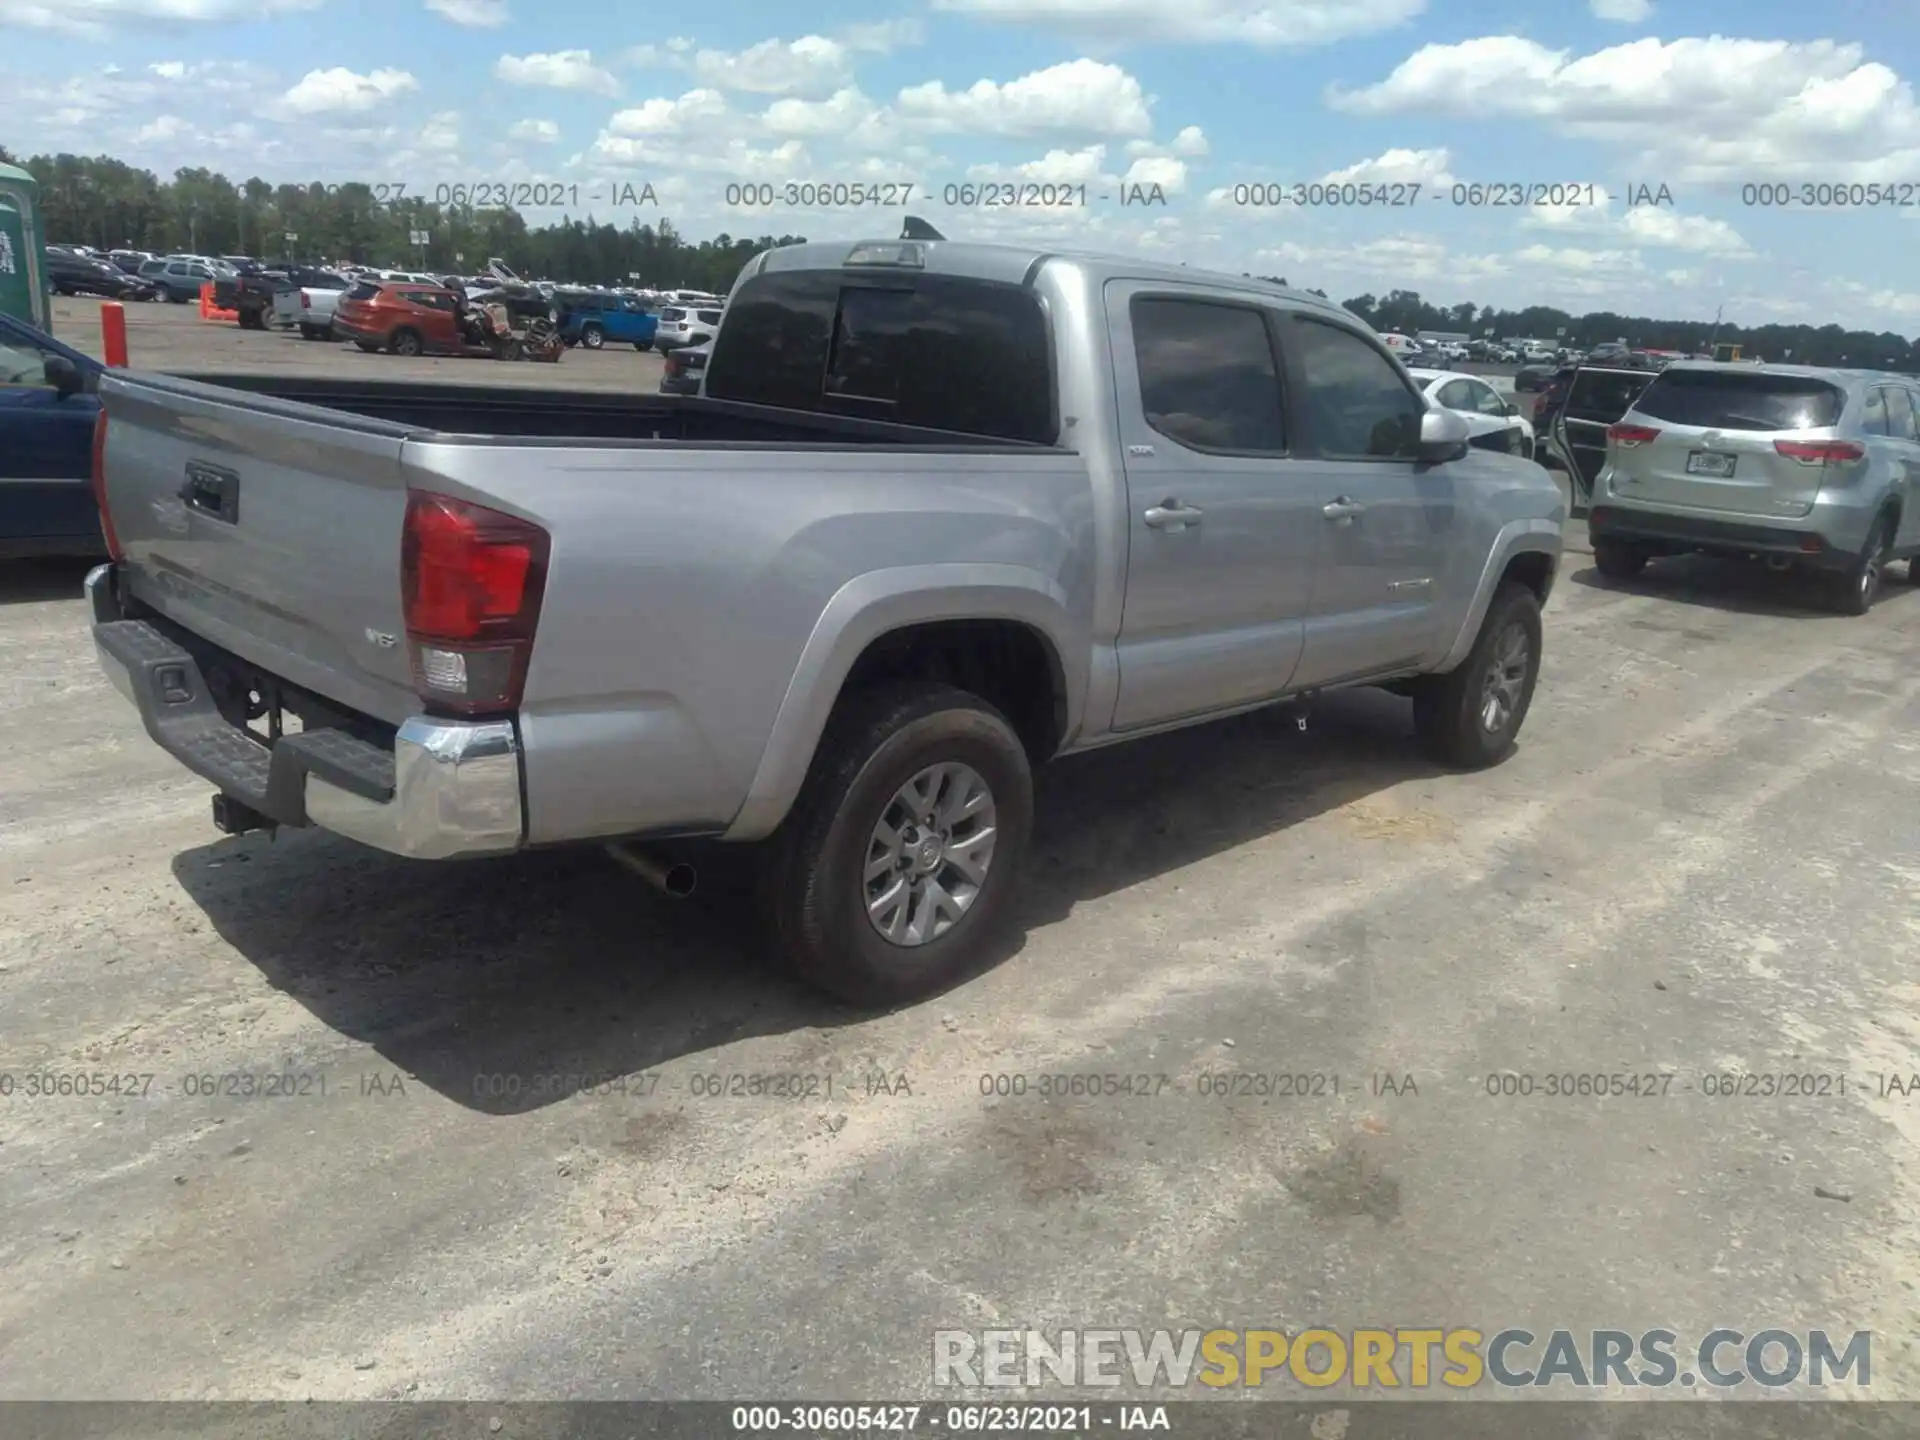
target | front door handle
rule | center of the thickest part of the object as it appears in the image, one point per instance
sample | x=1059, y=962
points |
x=1342, y=509
x=1172, y=515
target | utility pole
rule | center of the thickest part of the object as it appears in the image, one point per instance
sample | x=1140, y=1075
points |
x=1716, y=326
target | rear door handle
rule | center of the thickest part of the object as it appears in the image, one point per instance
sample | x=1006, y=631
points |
x=1342, y=509
x=1172, y=515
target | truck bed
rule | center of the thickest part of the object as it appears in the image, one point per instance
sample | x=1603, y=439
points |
x=544, y=413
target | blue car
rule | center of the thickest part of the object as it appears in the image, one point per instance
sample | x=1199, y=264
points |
x=48, y=403
x=618, y=318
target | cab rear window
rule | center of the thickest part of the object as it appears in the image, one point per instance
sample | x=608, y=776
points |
x=365, y=290
x=1726, y=401
x=937, y=351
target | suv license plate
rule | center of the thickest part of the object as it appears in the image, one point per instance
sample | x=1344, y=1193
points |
x=1704, y=462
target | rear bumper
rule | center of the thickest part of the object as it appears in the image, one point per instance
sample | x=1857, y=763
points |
x=1608, y=521
x=447, y=788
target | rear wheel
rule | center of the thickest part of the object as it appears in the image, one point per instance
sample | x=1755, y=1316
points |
x=593, y=337
x=887, y=879
x=312, y=332
x=1858, y=586
x=1471, y=716
x=1618, y=560
x=406, y=342
x=643, y=344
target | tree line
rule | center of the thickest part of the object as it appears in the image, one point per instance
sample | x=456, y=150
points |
x=106, y=203
x=110, y=205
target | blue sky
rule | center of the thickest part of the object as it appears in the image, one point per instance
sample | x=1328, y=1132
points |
x=1197, y=96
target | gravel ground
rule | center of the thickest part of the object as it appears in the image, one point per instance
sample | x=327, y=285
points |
x=1702, y=860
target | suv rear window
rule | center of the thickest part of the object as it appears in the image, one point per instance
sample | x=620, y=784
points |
x=1727, y=401
x=672, y=313
x=365, y=290
x=943, y=352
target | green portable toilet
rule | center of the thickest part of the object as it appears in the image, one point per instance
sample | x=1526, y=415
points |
x=23, y=263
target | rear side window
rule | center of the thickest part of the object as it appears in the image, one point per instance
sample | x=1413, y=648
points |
x=365, y=290
x=1724, y=400
x=1873, y=418
x=707, y=317
x=672, y=313
x=935, y=351
x=1902, y=423
x=1208, y=379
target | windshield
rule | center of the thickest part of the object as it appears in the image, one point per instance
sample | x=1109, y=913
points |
x=1728, y=401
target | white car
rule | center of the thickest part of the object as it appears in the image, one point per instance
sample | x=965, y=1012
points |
x=681, y=326
x=1494, y=422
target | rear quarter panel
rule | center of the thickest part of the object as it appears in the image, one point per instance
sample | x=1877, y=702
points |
x=691, y=603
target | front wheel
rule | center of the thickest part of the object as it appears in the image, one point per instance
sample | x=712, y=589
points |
x=888, y=878
x=643, y=345
x=593, y=337
x=1471, y=716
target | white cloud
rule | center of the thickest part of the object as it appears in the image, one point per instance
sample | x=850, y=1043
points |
x=886, y=36
x=1080, y=96
x=1712, y=109
x=1272, y=24
x=561, y=70
x=839, y=114
x=692, y=111
x=1576, y=258
x=477, y=14
x=161, y=128
x=323, y=91
x=1398, y=167
x=94, y=18
x=542, y=132
x=1627, y=12
x=169, y=69
x=810, y=65
x=1659, y=226
x=441, y=133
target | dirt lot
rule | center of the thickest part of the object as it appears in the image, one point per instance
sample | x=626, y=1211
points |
x=174, y=338
x=1702, y=862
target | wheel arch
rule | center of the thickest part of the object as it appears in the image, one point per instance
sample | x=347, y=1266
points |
x=991, y=615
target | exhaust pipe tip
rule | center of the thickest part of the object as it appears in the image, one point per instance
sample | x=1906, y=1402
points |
x=676, y=880
x=1779, y=564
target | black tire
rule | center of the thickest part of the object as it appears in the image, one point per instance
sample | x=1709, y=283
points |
x=592, y=336
x=406, y=341
x=1618, y=560
x=177, y=298
x=643, y=345
x=1450, y=712
x=252, y=320
x=1913, y=569
x=1858, y=586
x=312, y=332
x=812, y=884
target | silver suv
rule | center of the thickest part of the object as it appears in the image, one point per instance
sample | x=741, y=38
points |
x=1792, y=463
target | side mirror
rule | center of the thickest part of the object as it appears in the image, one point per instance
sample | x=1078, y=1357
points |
x=1510, y=409
x=64, y=376
x=1443, y=437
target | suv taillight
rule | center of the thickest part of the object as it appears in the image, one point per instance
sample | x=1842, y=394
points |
x=471, y=581
x=306, y=301
x=1822, y=452
x=1631, y=434
x=100, y=484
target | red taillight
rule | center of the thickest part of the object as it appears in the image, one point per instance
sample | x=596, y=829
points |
x=306, y=301
x=100, y=484
x=1822, y=452
x=471, y=581
x=1631, y=434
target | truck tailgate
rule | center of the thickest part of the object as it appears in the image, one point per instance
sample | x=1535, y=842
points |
x=270, y=528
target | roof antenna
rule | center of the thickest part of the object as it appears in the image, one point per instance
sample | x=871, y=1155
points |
x=918, y=229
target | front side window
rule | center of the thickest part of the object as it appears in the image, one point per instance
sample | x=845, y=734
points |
x=1353, y=397
x=22, y=366
x=1455, y=395
x=1485, y=399
x=1207, y=375
x=1902, y=423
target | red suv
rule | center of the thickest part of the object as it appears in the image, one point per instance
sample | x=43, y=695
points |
x=408, y=319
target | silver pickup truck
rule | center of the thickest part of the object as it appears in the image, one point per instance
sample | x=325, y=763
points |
x=945, y=511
